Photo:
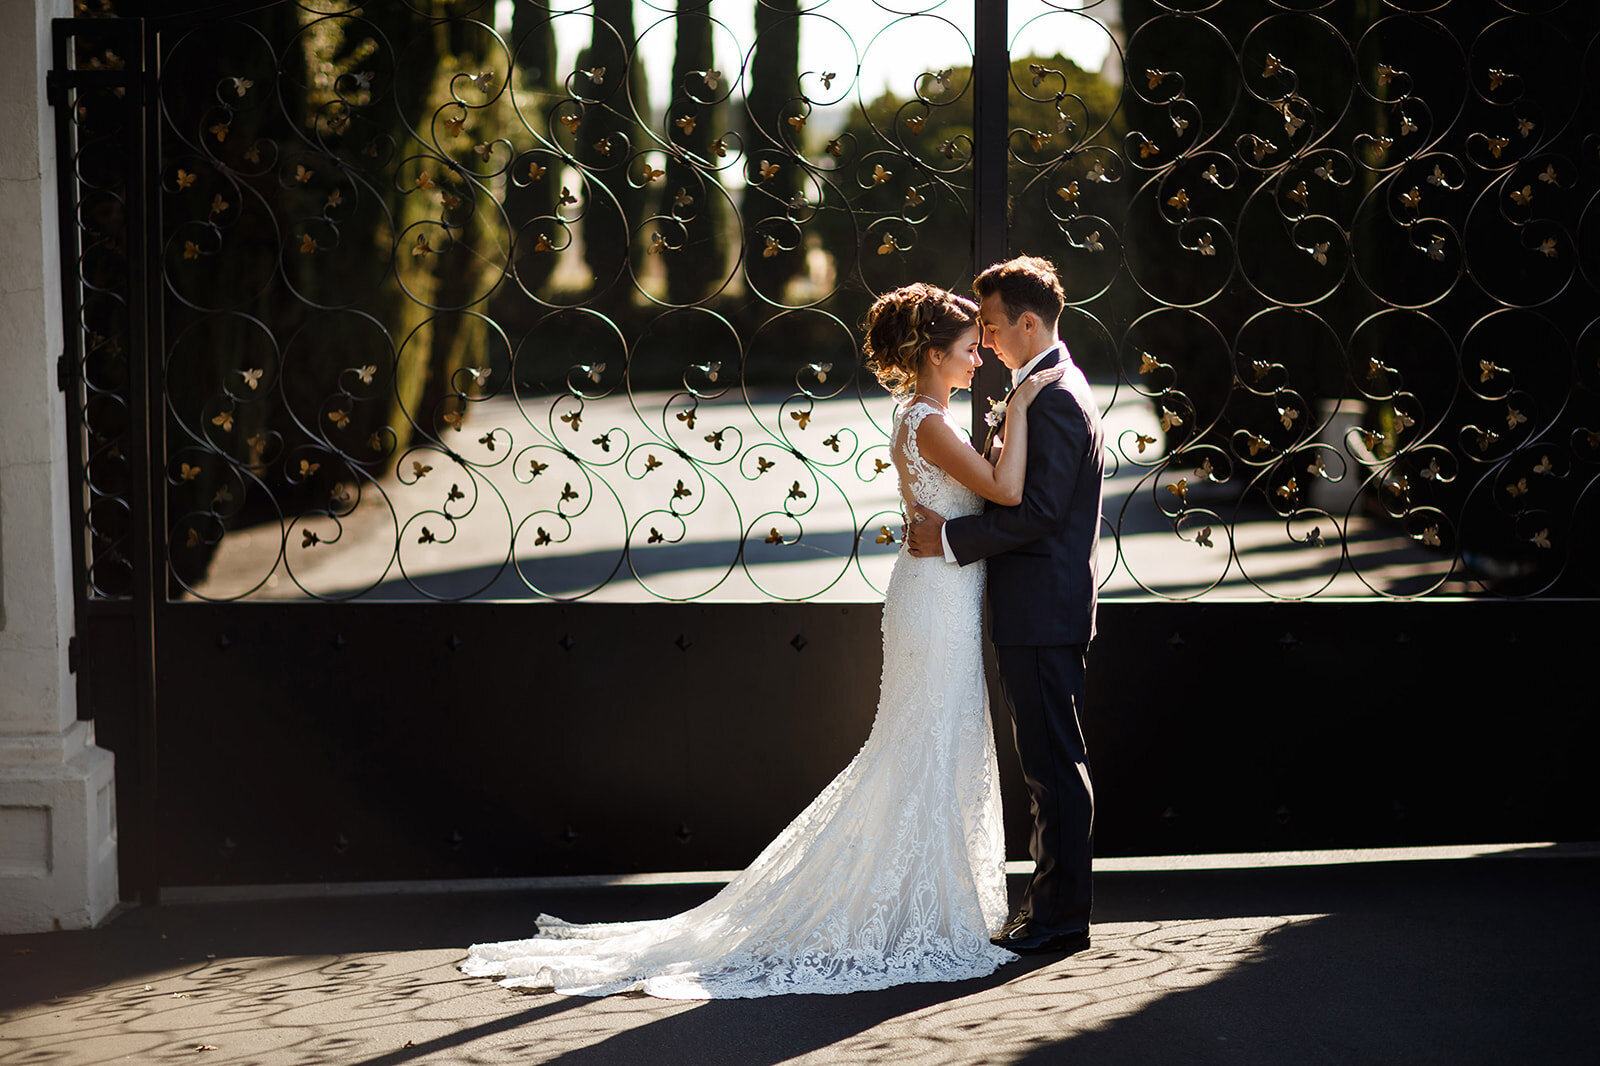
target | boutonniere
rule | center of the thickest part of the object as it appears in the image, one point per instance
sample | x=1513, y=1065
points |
x=996, y=415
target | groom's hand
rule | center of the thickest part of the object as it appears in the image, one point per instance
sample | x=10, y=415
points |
x=922, y=536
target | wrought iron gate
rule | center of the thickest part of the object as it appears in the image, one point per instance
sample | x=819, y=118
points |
x=476, y=473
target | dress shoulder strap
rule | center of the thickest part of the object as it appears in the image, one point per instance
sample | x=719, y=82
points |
x=912, y=414
x=910, y=418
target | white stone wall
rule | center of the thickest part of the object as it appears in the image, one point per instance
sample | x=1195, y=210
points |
x=58, y=851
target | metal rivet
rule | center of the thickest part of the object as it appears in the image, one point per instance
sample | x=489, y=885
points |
x=684, y=832
x=566, y=641
x=1282, y=814
x=338, y=642
x=341, y=843
x=456, y=838
x=456, y=641
x=1176, y=640
x=683, y=642
x=1288, y=640
x=568, y=835
x=224, y=641
x=799, y=642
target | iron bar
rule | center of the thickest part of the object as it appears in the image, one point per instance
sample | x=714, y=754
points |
x=991, y=117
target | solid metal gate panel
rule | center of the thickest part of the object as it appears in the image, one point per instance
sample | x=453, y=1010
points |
x=467, y=740
x=408, y=340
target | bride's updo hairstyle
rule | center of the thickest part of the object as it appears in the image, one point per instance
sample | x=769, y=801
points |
x=902, y=325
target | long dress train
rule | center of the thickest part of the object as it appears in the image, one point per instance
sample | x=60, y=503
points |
x=894, y=873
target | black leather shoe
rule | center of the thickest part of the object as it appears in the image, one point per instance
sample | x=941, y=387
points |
x=1013, y=924
x=1027, y=942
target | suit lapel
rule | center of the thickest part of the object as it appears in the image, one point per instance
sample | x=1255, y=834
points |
x=1051, y=358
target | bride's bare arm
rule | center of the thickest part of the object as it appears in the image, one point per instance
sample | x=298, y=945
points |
x=1002, y=480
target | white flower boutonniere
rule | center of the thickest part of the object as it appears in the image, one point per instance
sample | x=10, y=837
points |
x=997, y=412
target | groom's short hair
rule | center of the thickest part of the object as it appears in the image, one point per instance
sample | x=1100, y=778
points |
x=1026, y=283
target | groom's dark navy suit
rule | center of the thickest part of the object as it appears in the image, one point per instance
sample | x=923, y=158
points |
x=1042, y=584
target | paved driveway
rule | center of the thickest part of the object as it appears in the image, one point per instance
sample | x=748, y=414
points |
x=1483, y=960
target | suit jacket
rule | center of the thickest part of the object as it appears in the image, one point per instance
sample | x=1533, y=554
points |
x=1043, y=581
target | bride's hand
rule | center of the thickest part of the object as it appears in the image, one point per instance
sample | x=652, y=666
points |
x=1036, y=383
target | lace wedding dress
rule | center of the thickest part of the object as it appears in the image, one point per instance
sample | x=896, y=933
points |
x=895, y=873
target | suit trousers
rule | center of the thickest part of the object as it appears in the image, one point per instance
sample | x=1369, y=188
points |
x=1043, y=688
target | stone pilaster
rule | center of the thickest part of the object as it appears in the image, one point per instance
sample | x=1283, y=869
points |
x=58, y=850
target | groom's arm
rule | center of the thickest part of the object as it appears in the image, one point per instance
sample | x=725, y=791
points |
x=1058, y=433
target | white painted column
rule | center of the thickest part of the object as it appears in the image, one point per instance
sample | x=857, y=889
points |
x=58, y=838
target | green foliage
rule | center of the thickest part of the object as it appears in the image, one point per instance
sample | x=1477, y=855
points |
x=699, y=260
x=611, y=131
x=769, y=101
x=1053, y=125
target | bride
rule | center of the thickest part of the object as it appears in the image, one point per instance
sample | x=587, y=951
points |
x=895, y=872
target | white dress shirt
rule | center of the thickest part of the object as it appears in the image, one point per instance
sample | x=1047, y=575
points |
x=1017, y=377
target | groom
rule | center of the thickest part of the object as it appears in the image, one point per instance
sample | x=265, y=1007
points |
x=1042, y=585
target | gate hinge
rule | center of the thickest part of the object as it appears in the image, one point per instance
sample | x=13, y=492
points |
x=55, y=88
x=72, y=655
x=63, y=372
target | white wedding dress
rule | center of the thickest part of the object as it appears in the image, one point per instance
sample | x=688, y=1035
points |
x=895, y=873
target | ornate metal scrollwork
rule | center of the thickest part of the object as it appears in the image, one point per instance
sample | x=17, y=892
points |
x=1353, y=316
x=516, y=301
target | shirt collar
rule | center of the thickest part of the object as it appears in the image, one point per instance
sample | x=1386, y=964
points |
x=1018, y=376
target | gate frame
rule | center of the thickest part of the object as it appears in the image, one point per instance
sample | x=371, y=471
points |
x=123, y=638
x=134, y=616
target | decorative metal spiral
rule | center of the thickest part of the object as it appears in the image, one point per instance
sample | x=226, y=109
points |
x=514, y=301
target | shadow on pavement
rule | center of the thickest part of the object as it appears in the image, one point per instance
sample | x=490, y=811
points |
x=1487, y=960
